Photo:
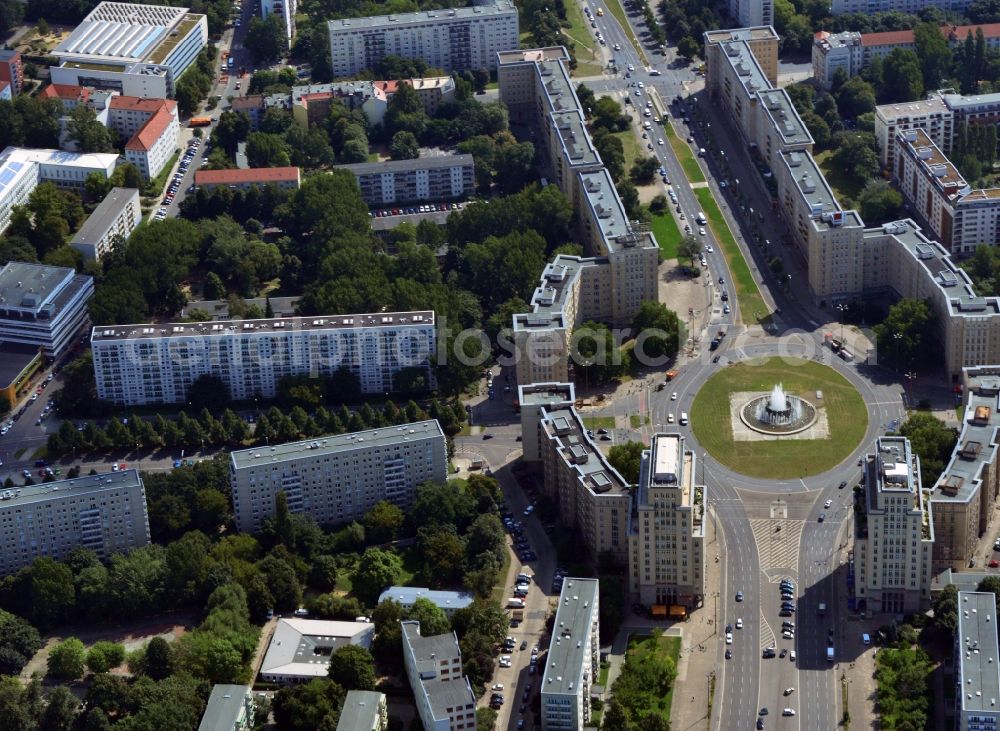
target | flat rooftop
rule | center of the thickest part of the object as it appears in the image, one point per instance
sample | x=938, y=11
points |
x=902, y=111
x=977, y=637
x=549, y=300
x=14, y=358
x=406, y=595
x=31, y=289
x=976, y=446
x=278, y=325
x=567, y=660
x=121, y=31
x=811, y=184
x=784, y=118
x=935, y=165
x=896, y=465
x=435, y=162
x=970, y=102
x=829, y=41
x=337, y=443
x=578, y=450
x=302, y=647
x=754, y=33
x=86, y=485
x=543, y=394
x=606, y=207
x=744, y=65
x=532, y=55
x=433, y=17
x=361, y=708
x=223, y=707
x=98, y=223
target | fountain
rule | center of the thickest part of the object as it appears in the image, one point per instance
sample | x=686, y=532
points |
x=778, y=413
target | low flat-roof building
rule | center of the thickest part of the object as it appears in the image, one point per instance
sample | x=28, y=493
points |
x=977, y=663
x=447, y=601
x=17, y=364
x=111, y=223
x=363, y=710
x=287, y=178
x=229, y=708
x=337, y=478
x=574, y=658
x=105, y=513
x=444, y=697
x=300, y=649
x=43, y=306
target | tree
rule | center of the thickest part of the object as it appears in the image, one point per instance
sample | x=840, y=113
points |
x=309, y=706
x=66, y=659
x=658, y=333
x=158, y=660
x=404, y=146
x=991, y=584
x=932, y=441
x=87, y=132
x=689, y=249
x=53, y=595
x=902, y=77
x=901, y=334
x=644, y=170
x=60, y=710
x=855, y=155
x=282, y=583
x=208, y=392
x=626, y=458
x=103, y=656
x=688, y=48
x=945, y=608
x=352, y=667
x=879, y=202
x=376, y=570
x=433, y=620
x=934, y=54
x=597, y=353
x=18, y=642
x=857, y=97
x=267, y=150
x=383, y=522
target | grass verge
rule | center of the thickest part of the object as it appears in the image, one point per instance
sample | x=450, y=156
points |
x=155, y=187
x=630, y=147
x=683, y=152
x=500, y=590
x=844, y=408
x=668, y=235
x=752, y=305
x=618, y=11
x=588, y=62
x=599, y=422
x=635, y=420
x=846, y=189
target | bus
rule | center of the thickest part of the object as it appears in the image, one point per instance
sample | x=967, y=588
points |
x=200, y=122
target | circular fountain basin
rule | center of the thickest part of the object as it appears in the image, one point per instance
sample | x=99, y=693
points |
x=778, y=417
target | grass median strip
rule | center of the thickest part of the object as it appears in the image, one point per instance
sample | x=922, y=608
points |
x=667, y=234
x=683, y=152
x=752, y=306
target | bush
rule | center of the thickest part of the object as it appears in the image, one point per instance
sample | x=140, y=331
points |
x=104, y=656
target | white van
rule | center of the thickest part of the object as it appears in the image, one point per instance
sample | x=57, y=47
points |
x=515, y=603
x=684, y=418
x=700, y=218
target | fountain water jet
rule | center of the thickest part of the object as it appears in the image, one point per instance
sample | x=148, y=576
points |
x=778, y=412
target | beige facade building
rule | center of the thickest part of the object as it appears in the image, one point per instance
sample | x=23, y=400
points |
x=966, y=494
x=667, y=531
x=592, y=497
x=931, y=115
x=894, y=531
x=573, y=663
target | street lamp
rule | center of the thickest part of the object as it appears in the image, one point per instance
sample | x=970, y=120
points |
x=897, y=338
x=842, y=308
x=910, y=376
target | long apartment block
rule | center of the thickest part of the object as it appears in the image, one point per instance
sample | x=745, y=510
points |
x=337, y=479
x=620, y=272
x=453, y=39
x=592, y=497
x=977, y=662
x=573, y=663
x=966, y=493
x=667, y=531
x=427, y=179
x=443, y=695
x=105, y=513
x=829, y=237
x=894, y=531
x=157, y=363
x=868, y=7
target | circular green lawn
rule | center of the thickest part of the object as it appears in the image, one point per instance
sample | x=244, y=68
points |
x=784, y=458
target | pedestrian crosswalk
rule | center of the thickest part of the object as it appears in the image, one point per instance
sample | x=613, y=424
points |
x=777, y=549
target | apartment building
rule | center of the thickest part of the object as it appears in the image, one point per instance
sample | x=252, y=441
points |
x=311, y=103
x=966, y=493
x=105, y=513
x=12, y=70
x=868, y=7
x=894, y=532
x=447, y=601
x=573, y=662
x=667, y=528
x=832, y=51
x=977, y=663
x=70, y=96
x=43, y=306
x=961, y=218
x=364, y=710
x=752, y=12
x=136, y=50
x=151, y=127
x=900, y=260
x=300, y=649
x=157, y=363
x=284, y=10
x=110, y=224
x=433, y=91
x=453, y=39
x=444, y=697
x=229, y=708
x=286, y=178
x=932, y=115
x=431, y=179
x=337, y=478
x=592, y=497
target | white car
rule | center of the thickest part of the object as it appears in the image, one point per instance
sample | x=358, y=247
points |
x=641, y=85
x=739, y=623
x=787, y=711
x=630, y=66
x=673, y=396
x=729, y=638
x=670, y=418
x=788, y=635
x=659, y=141
x=529, y=510
x=828, y=503
x=498, y=686
x=709, y=249
x=505, y=661
x=789, y=691
x=701, y=230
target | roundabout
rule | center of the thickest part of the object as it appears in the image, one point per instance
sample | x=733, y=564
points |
x=779, y=418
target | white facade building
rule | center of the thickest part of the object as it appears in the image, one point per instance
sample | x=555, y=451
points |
x=105, y=513
x=453, y=39
x=150, y=364
x=151, y=127
x=338, y=478
x=137, y=50
x=894, y=534
x=444, y=698
x=300, y=649
x=43, y=306
x=435, y=178
x=752, y=12
x=574, y=659
x=832, y=51
x=977, y=663
x=112, y=221
x=284, y=10
x=868, y=7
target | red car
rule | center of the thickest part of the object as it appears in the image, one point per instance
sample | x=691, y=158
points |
x=994, y=564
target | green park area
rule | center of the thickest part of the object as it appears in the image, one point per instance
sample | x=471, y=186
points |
x=667, y=234
x=752, y=306
x=646, y=684
x=840, y=405
x=588, y=59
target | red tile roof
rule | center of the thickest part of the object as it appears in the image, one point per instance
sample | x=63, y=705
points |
x=959, y=32
x=954, y=33
x=246, y=176
x=66, y=91
x=150, y=132
x=140, y=104
x=889, y=38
